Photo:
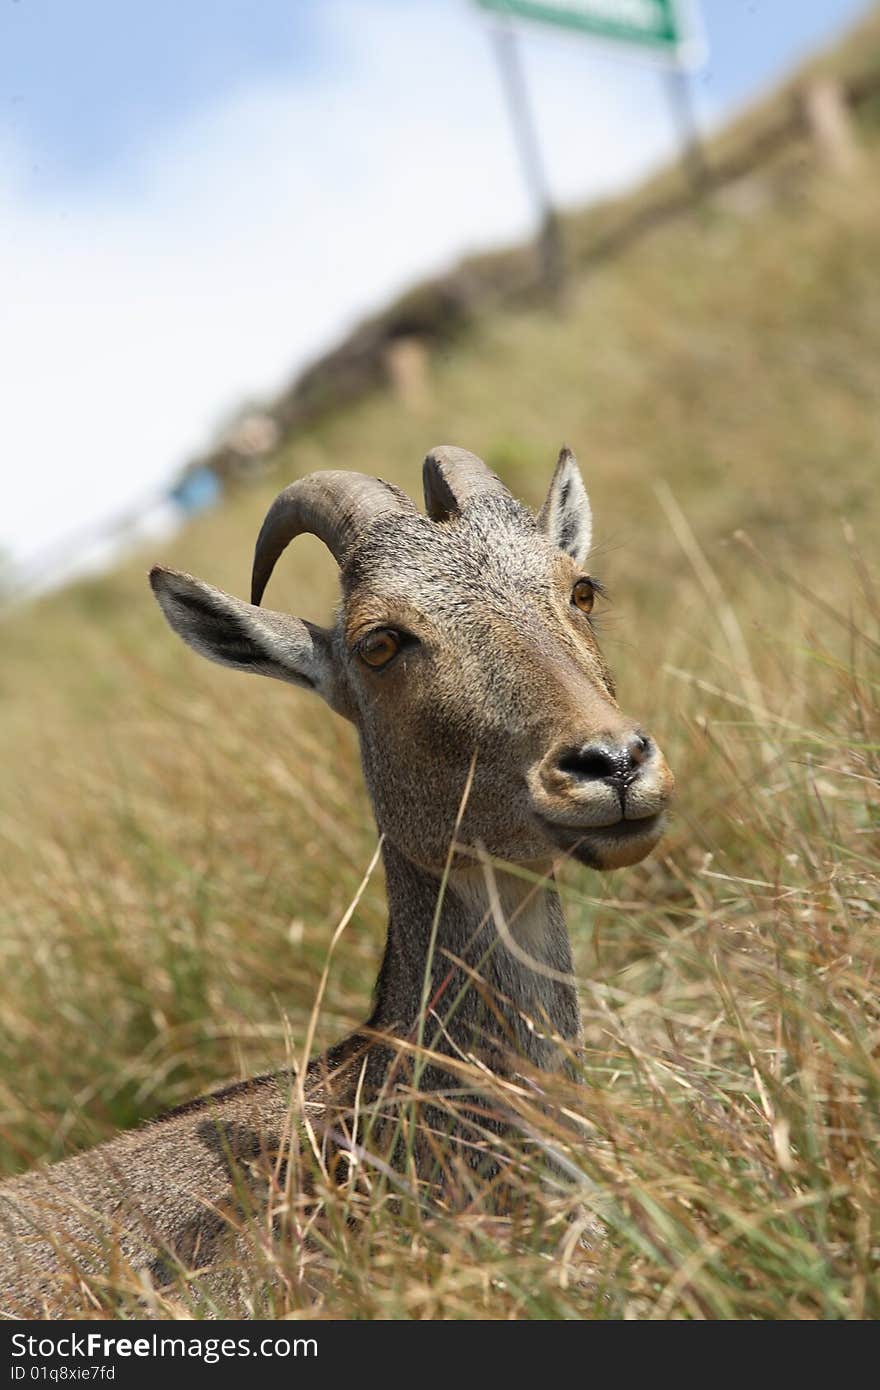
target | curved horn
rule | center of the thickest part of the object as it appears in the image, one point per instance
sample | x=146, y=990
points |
x=334, y=506
x=452, y=478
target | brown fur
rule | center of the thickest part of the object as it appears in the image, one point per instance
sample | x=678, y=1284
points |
x=500, y=687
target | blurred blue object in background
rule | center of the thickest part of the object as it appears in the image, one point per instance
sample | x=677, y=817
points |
x=196, y=491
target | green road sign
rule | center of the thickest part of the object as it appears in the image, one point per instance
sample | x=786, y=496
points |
x=657, y=26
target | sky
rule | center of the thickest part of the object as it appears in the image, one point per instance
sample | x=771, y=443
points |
x=198, y=196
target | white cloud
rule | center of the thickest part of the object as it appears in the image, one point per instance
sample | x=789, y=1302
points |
x=136, y=317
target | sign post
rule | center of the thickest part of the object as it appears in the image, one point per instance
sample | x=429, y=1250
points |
x=660, y=29
x=549, y=235
x=692, y=157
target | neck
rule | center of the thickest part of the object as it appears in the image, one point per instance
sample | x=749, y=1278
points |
x=500, y=979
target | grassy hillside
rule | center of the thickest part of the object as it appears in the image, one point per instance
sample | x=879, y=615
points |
x=177, y=842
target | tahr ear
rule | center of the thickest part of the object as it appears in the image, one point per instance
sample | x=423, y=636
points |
x=566, y=517
x=236, y=634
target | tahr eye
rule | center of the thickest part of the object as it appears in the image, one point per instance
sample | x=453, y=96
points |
x=583, y=595
x=379, y=647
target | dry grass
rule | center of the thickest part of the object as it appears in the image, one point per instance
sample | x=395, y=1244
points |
x=177, y=843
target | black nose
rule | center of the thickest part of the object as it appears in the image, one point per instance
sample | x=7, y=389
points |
x=607, y=761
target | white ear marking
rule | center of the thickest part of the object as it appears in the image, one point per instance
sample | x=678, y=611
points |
x=237, y=634
x=566, y=518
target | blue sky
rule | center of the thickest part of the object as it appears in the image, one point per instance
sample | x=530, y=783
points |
x=197, y=195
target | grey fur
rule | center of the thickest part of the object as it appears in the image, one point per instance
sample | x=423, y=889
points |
x=500, y=682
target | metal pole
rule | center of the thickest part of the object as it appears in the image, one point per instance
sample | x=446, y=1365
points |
x=526, y=136
x=692, y=156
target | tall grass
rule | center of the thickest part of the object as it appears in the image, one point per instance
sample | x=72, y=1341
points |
x=178, y=844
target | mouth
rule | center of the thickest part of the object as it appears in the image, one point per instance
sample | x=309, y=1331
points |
x=607, y=846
